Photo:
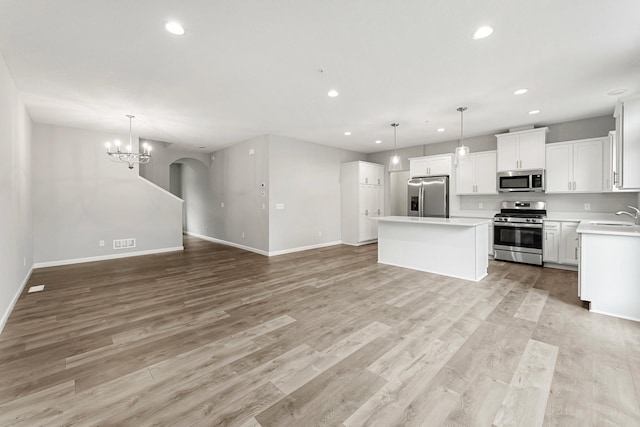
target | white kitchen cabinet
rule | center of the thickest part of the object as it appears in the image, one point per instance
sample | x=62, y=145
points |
x=627, y=114
x=490, y=239
x=560, y=242
x=477, y=175
x=612, y=162
x=360, y=202
x=521, y=150
x=431, y=165
x=569, y=243
x=576, y=166
x=550, y=241
x=371, y=173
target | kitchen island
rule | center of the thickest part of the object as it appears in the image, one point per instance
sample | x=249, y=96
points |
x=455, y=247
x=609, y=271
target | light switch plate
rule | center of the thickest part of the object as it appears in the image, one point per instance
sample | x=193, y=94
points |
x=279, y=206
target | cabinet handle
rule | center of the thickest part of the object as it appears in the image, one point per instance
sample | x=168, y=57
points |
x=366, y=212
x=378, y=211
x=576, y=251
x=615, y=178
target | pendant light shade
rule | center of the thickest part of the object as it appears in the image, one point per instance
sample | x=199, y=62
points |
x=462, y=151
x=395, y=162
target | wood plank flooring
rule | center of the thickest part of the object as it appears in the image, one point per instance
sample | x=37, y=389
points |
x=216, y=336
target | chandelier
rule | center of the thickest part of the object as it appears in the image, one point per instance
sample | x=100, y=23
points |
x=128, y=156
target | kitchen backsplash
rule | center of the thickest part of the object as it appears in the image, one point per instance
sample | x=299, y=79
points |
x=605, y=202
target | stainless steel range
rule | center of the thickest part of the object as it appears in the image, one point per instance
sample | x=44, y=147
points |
x=517, y=232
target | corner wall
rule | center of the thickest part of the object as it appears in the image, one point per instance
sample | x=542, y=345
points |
x=304, y=179
x=80, y=197
x=16, y=243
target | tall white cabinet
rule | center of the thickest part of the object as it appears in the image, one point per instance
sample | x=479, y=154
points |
x=362, y=199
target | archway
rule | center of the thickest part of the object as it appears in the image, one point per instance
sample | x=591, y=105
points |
x=189, y=180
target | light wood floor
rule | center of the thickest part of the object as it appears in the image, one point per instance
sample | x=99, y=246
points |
x=218, y=336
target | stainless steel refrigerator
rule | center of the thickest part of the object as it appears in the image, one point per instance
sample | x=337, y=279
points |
x=429, y=196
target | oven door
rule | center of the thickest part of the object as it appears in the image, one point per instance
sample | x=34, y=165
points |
x=518, y=237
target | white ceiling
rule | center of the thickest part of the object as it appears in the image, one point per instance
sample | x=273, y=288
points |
x=250, y=67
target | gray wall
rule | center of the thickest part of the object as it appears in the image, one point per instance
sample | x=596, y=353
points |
x=194, y=188
x=305, y=177
x=16, y=241
x=164, y=154
x=235, y=180
x=80, y=198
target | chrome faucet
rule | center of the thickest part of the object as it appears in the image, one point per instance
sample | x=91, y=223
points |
x=635, y=216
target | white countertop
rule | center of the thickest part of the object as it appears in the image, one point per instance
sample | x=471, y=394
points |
x=460, y=222
x=588, y=227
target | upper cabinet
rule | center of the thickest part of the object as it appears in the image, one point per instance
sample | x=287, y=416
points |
x=577, y=166
x=431, y=165
x=627, y=116
x=477, y=175
x=371, y=173
x=521, y=150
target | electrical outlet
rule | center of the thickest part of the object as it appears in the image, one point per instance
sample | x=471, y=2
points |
x=243, y=234
x=252, y=151
x=24, y=261
x=587, y=206
x=319, y=233
x=206, y=227
x=101, y=243
x=222, y=204
x=279, y=206
x=480, y=205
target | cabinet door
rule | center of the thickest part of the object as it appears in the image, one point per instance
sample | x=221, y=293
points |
x=559, y=173
x=569, y=244
x=465, y=174
x=631, y=143
x=365, y=213
x=508, y=153
x=379, y=175
x=439, y=165
x=367, y=173
x=587, y=166
x=550, y=242
x=607, y=162
x=485, y=165
x=490, y=239
x=531, y=150
x=417, y=167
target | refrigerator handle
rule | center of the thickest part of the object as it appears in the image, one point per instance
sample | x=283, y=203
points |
x=421, y=202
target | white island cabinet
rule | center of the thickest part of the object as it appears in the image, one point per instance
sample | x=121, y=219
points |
x=455, y=247
x=609, y=271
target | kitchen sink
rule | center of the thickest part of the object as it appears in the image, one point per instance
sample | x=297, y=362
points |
x=611, y=224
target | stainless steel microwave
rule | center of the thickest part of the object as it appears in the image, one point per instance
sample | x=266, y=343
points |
x=521, y=181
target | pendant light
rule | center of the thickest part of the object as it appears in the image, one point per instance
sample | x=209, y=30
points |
x=462, y=152
x=395, y=162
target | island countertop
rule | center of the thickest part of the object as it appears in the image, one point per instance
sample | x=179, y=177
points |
x=460, y=222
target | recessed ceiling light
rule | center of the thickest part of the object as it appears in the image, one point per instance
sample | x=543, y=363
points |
x=440, y=130
x=521, y=91
x=333, y=93
x=378, y=141
x=482, y=32
x=347, y=133
x=532, y=112
x=174, y=28
x=616, y=92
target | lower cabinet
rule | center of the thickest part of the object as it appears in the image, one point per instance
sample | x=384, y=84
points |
x=560, y=242
x=490, y=239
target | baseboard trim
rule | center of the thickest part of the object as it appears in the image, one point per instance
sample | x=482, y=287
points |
x=105, y=257
x=260, y=251
x=227, y=243
x=635, y=319
x=568, y=267
x=305, y=248
x=7, y=313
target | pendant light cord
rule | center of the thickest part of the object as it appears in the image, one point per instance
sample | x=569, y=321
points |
x=462, y=110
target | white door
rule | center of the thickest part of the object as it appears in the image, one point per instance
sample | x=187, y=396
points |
x=465, y=174
x=559, y=171
x=587, y=166
x=550, y=242
x=440, y=165
x=418, y=167
x=569, y=244
x=508, y=153
x=531, y=154
x=486, y=173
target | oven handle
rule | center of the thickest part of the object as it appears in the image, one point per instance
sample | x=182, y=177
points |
x=516, y=225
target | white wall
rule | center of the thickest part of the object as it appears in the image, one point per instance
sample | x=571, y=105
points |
x=194, y=190
x=80, y=197
x=305, y=177
x=163, y=154
x=235, y=180
x=16, y=247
